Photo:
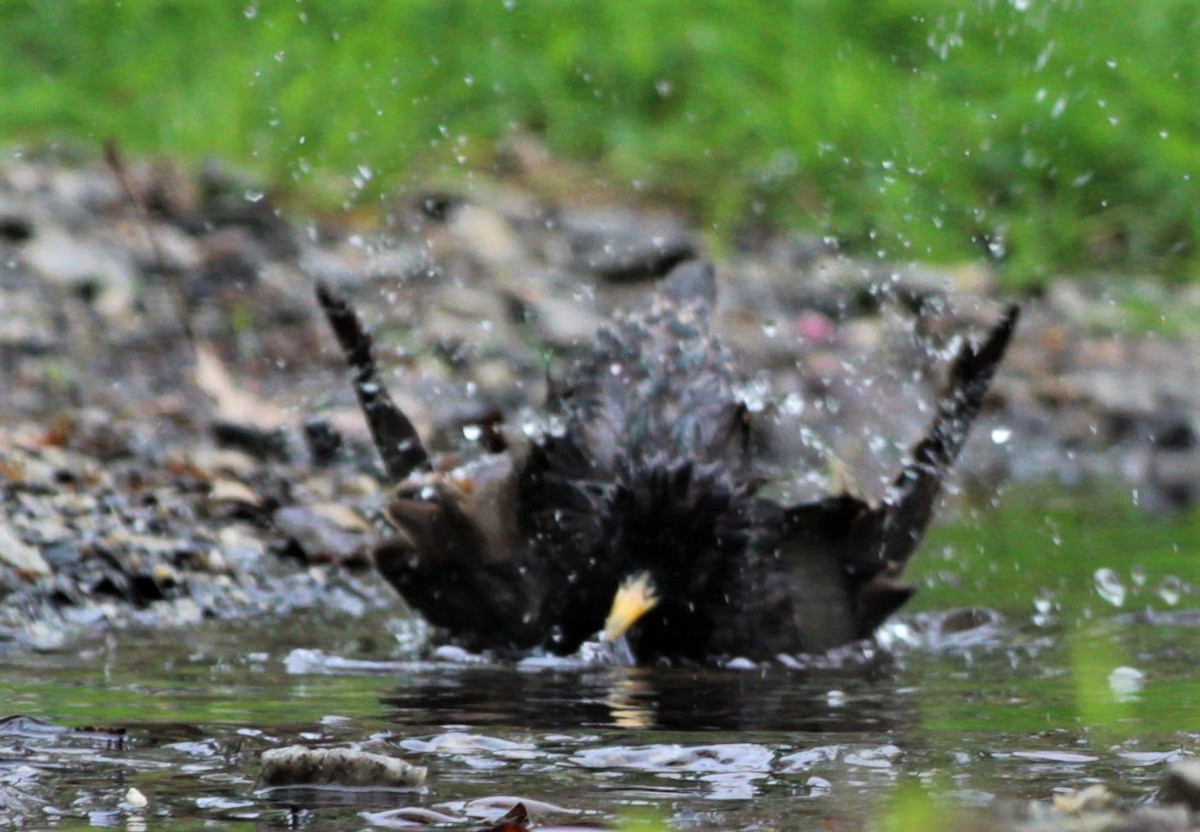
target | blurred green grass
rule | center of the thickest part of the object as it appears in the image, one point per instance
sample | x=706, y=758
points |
x=1049, y=136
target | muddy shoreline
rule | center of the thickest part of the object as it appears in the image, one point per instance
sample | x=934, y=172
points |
x=151, y=478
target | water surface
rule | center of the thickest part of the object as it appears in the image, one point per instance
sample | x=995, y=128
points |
x=1082, y=668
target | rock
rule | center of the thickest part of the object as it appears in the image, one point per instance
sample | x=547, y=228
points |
x=486, y=233
x=319, y=537
x=27, y=560
x=83, y=264
x=1181, y=784
x=624, y=245
x=297, y=765
x=232, y=491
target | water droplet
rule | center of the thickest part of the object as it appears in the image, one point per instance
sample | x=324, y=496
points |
x=1109, y=586
x=251, y=12
x=664, y=87
x=1126, y=683
x=1170, y=590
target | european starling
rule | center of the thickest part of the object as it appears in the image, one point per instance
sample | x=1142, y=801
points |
x=637, y=514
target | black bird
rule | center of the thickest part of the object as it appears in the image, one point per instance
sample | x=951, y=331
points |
x=636, y=513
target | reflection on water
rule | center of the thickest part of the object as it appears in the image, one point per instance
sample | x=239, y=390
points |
x=851, y=700
x=1065, y=689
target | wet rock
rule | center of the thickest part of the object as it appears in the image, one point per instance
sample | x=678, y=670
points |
x=135, y=799
x=623, y=245
x=298, y=765
x=564, y=321
x=1181, y=784
x=25, y=559
x=259, y=442
x=323, y=440
x=91, y=268
x=318, y=538
x=488, y=235
x=232, y=491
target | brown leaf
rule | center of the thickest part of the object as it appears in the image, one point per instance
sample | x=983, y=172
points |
x=515, y=820
x=234, y=404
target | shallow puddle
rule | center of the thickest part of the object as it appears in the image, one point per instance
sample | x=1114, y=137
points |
x=1067, y=689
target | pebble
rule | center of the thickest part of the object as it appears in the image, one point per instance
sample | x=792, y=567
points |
x=297, y=765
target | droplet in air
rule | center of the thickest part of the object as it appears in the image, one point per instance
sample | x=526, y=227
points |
x=1126, y=683
x=1109, y=586
x=1170, y=590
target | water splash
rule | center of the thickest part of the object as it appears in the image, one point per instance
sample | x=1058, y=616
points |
x=1109, y=586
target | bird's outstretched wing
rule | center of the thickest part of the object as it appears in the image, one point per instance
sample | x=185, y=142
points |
x=908, y=504
x=395, y=436
x=845, y=555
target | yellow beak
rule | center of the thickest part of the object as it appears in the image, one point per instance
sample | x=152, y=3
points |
x=635, y=598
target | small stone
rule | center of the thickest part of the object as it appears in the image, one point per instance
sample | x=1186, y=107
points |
x=319, y=537
x=20, y=555
x=232, y=491
x=624, y=245
x=1088, y=799
x=297, y=765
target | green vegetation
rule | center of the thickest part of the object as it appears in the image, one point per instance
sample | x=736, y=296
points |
x=1053, y=136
